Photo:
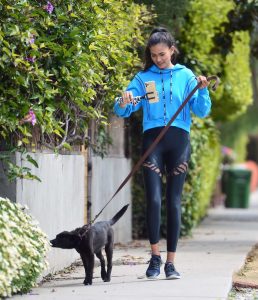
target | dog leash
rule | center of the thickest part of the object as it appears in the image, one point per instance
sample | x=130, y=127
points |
x=156, y=141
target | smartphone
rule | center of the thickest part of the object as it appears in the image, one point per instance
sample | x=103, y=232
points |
x=151, y=91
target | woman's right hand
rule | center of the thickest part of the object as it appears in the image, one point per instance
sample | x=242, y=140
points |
x=127, y=98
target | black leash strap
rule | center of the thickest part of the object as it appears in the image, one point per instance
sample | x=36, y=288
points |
x=156, y=141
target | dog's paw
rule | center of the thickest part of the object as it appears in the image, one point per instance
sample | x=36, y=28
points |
x=87, y=282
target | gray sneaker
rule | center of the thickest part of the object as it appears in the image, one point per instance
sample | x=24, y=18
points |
x=170, y=271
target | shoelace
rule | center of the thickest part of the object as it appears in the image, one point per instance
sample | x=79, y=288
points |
x=170, y=267
x=154, y=263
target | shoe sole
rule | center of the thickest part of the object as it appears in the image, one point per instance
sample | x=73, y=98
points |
x=173, y=277
x=153, y=278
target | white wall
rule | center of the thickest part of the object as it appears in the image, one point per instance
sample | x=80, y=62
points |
x=57, y=202
x=107, y=175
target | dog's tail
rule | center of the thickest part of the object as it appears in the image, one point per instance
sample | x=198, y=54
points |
x=118, y=215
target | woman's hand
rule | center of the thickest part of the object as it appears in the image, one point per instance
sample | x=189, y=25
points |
x=203, y=80
x=127, y=98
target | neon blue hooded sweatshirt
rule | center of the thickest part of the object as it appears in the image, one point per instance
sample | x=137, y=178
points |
x=172, y=85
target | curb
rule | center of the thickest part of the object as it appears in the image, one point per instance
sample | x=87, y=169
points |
x=239, y=284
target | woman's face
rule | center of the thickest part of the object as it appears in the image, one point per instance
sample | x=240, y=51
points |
x=161, y=55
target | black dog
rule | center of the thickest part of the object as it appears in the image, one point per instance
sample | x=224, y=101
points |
x=89, y=240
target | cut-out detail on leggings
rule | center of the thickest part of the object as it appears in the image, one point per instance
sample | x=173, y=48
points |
x=181, y=169
x=153, y=167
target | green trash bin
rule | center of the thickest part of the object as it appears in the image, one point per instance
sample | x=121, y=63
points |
x=236, y=186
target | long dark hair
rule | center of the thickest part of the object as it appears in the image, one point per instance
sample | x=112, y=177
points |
x=157, y=36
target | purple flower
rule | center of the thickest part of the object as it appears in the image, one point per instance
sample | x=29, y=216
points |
x=226, y=150
x=49, y=7
x=29, y=118
x=32, y=40
x=30, y=59
x=228, y=155
x=33, y=119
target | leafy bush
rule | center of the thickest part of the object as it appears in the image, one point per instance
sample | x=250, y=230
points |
x=236, y=80
x=23, y=248
x=197, y=35
x=203, y=53
x=56, y=59
x=12, y=170
x=65, y=61
x=169, y=12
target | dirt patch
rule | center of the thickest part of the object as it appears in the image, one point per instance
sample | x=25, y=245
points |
x=247, y=276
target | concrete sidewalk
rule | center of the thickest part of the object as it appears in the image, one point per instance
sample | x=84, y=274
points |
x=206, y=262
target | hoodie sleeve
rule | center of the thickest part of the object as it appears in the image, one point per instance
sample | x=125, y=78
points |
x=200, y=103
x=137, y=89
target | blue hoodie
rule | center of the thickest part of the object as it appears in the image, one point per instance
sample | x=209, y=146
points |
x=173, y=85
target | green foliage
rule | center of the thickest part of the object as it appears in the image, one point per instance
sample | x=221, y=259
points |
x=67, y=65
x=63, y=66
x=23, y=248
x=170, y=13
x=242, y=18
x=236, y=78
x=14, y=171
x=202, y=24
x=203, y=55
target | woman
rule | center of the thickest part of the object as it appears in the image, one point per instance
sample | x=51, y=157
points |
x=166, y=85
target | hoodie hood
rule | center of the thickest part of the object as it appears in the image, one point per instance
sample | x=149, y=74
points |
x=156, y=69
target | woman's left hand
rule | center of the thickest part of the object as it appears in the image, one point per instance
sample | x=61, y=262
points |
x=203, y=80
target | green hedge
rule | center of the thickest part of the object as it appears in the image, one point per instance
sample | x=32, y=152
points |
x=169, y=13
x=66, y=63
x=203, y=21
x=202, y=54
x=23, y=248
x=236, y=79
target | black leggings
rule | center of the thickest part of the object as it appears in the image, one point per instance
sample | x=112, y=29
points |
x=170, y=157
